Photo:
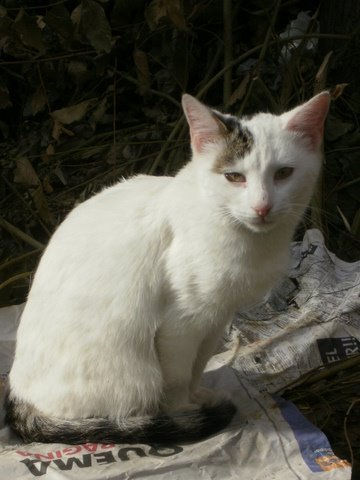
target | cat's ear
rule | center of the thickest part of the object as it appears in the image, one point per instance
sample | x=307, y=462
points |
x=204, y=127
x=308, y=119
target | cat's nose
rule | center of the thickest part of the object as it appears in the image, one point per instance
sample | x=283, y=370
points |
x=262, y=210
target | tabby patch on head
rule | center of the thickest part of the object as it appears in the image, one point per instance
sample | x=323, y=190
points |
x=239, y=142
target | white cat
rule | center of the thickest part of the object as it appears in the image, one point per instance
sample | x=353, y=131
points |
x=136, y=286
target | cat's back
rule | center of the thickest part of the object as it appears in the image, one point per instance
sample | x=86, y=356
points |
x=112, y=216
x=99, y=250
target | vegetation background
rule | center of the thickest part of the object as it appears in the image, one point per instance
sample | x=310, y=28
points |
x=90, y=92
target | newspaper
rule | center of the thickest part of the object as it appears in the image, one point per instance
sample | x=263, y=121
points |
x=312, y=319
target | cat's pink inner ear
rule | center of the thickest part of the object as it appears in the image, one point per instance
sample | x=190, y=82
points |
x=308, y=119
x=204, y=128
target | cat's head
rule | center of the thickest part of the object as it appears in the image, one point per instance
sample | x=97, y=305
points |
x=260, y=171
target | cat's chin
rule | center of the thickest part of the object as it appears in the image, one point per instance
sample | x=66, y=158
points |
x=259, y=227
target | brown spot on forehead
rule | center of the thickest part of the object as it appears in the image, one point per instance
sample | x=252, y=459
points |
x=238, y=142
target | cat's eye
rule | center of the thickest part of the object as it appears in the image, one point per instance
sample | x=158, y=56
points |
x=283, y=173
x=235, y=177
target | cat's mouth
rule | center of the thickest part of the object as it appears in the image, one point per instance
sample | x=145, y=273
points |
x=259, y=224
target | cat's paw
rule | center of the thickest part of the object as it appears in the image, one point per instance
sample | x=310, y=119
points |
x=208, y=397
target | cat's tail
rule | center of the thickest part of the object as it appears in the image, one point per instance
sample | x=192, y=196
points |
x=186, y=427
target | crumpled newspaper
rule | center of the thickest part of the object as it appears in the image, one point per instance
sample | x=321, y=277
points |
x=312, y=319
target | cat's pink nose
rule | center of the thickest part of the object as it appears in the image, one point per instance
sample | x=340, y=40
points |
x=262, y=210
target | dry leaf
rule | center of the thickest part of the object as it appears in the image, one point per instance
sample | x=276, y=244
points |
x=320, y=78
x=77, y=69
x=58, y=18
x=99, y=111
x=95, y=26
x=4, y=96
x=155, y=12
x=239, y=91
x=111, y=156
x=40, y=22
x=142, y=70
x=355, y=226
x=175, y=14
x=38, y=101
x=76, y=15
x=25, y=173
x=72, y=114
x=42, y=206
x=50, y=150
x=58, y=129
x=337, y=91
x=28, y=30
x=47, y=185
x=159, y=9
x=344, y=219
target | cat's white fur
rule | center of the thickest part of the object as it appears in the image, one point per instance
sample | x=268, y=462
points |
x=137, y=284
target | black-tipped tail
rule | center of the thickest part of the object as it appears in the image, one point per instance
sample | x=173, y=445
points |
x=186, y=427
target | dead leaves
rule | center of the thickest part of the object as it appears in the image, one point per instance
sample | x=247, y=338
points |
x=142, y=70
x=25, y=173
x=69, y=115
x=28, y=29
x=74, y=113
x=160, y=9
x=58, y=129
x=37, y=101
x=26, y=176
x=58, y=19
x=94, y=25
x=4, y=96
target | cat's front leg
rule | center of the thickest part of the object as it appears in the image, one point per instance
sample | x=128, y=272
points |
x=177, y=352
x=207, y=348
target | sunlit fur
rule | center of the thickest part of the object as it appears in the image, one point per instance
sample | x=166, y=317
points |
x=137, y=284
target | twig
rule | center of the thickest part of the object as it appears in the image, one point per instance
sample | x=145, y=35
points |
x=179, y=124
x=322, y=372
x=273, y=103
x=345, y=430
x=262, y=54
x=151, y=90
x=43, y=87
x=36, y=7
x=15, y=278
x=227, y=14
x=18, y=259
x=213, y=65
x=49, y=59
x=253, y=50
x=173, y=152
x=20, y=234
x=347, y=184
x=267, y=10
x=27, y=206
x=317, y=198
x=247, y=96
x=267, y=37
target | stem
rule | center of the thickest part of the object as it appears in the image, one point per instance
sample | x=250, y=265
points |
x=253, y=50
x=227, y=13
x=20, y=234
